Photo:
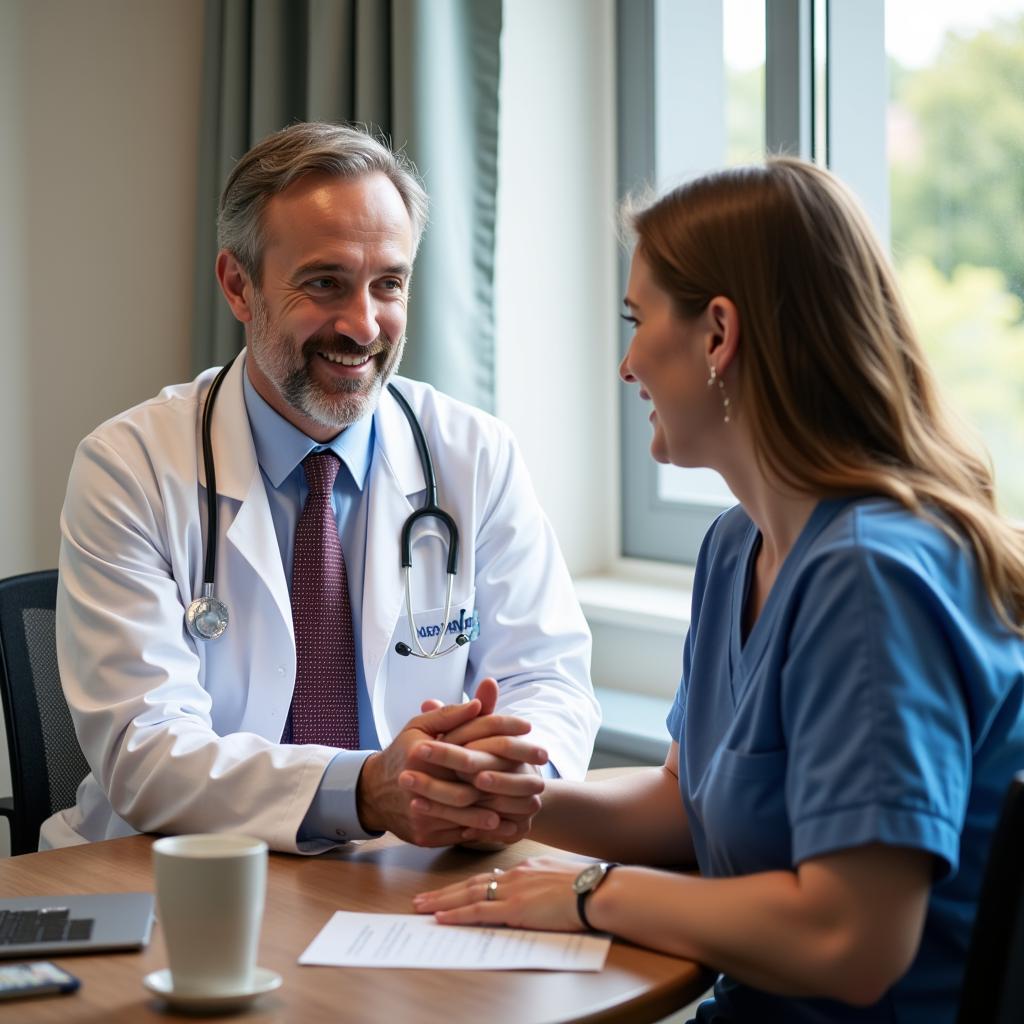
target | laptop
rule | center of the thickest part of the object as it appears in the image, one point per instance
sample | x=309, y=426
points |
x=58, y=925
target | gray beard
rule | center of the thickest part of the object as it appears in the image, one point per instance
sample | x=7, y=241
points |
x=337, y=408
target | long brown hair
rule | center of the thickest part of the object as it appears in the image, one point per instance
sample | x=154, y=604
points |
x=832, y=379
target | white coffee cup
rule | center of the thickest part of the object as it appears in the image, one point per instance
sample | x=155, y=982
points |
x=210, y=891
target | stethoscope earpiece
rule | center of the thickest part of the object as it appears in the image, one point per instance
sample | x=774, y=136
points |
x=405, y=650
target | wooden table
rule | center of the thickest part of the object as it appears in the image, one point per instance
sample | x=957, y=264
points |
x=636, y=985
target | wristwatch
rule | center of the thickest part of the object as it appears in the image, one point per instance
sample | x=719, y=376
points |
x=586, y=882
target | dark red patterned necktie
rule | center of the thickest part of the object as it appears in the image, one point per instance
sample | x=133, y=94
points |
x=324, y=705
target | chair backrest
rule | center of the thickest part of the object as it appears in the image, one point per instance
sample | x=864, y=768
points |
x=47, y=763
x=994, y=979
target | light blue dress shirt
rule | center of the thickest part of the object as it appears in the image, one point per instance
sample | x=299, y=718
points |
x=280, y=449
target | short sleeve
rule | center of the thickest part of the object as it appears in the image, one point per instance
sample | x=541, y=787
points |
x=874, y=710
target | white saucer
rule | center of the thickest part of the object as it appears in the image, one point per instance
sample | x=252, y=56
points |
x=263, y=981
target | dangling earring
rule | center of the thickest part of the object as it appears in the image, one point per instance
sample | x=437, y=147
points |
x=712, y=378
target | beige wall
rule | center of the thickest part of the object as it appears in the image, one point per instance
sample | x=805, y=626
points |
x=556, y=290
x=15, y=518
x=99, y=104
x=99, y=122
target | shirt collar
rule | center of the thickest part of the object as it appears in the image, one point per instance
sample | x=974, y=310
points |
x=281, y=446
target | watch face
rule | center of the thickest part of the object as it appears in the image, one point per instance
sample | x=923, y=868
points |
x=589, y=877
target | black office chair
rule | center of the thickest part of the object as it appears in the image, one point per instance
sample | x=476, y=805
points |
x=993, y=990
x=47, y=763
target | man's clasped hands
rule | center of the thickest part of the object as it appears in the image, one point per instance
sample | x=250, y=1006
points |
x=455, y=774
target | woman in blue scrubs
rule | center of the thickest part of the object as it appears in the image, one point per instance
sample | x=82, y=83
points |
x=851, y=707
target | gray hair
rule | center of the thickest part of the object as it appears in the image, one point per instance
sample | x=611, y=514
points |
x=306, y=148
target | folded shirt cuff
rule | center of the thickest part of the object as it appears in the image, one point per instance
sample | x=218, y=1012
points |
x=333, y=816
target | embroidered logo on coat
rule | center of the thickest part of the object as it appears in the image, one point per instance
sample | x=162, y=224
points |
x=468, y=624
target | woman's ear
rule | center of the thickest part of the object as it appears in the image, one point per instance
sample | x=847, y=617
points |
x=722, y=320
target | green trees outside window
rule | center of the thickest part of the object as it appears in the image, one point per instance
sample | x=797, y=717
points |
x=956, y=154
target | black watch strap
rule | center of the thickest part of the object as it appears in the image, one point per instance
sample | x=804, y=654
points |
x=581, y=899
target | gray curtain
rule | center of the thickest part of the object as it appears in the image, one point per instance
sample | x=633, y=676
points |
x=424, y=72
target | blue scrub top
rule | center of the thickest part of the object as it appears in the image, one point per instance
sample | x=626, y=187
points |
x=878, y=698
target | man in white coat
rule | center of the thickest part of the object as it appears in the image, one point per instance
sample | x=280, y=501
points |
x=318, y=229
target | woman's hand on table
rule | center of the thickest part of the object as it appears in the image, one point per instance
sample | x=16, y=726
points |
x=537, y=893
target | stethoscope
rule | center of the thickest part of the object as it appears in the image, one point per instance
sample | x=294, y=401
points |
x=206, y=617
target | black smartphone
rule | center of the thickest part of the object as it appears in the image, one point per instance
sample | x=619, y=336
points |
x=37, y=978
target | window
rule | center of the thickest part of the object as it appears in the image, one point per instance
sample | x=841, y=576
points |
x=918, y=105
x=742, y=55
x=702, y=83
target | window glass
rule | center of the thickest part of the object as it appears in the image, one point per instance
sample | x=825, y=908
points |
x=819, y=78
x=955, y=135
x=743, y=39
x=743, y=46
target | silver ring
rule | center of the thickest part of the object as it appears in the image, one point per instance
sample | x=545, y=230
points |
x=492, y=888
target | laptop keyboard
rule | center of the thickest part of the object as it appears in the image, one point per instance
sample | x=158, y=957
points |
x=53, y=925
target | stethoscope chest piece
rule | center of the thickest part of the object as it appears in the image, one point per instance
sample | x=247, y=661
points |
x=206, y=617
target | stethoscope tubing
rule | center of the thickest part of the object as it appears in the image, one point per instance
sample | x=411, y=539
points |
x=210, y=562
x=430, y=508
x=206, y=617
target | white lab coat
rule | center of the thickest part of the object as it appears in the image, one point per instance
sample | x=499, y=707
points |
x=184, y=736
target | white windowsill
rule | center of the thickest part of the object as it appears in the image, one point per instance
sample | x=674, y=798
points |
x=651, y=597
x=638, y=613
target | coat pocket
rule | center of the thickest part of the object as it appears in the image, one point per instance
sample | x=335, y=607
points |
x=411, y=679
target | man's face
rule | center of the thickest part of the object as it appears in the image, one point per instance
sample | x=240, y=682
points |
x=328, y=321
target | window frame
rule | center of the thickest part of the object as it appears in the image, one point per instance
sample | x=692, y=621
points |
x=669, y=48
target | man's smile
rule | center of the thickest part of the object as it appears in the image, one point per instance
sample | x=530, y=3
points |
x=346, y=360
